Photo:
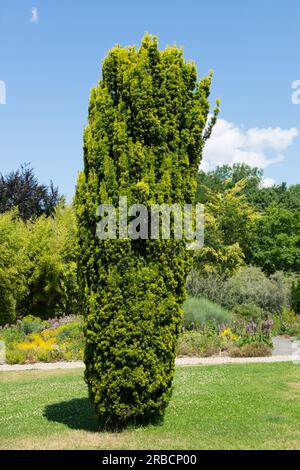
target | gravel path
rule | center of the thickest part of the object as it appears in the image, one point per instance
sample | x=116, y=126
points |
x=180, y=361
x=284, y=346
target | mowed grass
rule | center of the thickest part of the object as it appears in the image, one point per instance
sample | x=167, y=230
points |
x=249, y=406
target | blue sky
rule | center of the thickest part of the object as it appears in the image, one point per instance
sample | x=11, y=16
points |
x=51, y=57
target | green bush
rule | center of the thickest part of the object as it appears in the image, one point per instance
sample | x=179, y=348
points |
x=248, y=286
x=31, y=324
x=12, y=334
x=248, y=332
x=144, y=141
x=15, y=356
x=70, y=340
x=250, y=312
x=198, y=311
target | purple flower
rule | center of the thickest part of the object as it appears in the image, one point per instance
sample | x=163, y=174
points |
x=251, y=328
x=266, y=327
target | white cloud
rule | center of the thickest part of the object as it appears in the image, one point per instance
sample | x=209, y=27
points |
x=268, y=182
x=256, y=147
x=34, y=15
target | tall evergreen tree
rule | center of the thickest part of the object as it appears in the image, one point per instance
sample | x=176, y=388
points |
x=146, y=130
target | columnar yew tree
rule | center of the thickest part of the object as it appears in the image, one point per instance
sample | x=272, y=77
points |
x=146, y=129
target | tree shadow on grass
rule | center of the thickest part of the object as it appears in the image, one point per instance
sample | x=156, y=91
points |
x=76, y=414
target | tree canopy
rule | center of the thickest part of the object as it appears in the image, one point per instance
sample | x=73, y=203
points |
x=21, y=189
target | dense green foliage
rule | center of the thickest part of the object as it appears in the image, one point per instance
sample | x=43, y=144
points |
x=38, y=265
x=226, y=177
x=272, y=233
x=13, y=266
x=229, y=219
x=144, y=140
x=248, y=286
x=275, y=243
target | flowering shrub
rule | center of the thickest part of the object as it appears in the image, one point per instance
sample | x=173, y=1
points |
x=252, y=332
x=194, y=343
x=240, y=339
x=34, y=340
x=228, y=334
x=56, y=340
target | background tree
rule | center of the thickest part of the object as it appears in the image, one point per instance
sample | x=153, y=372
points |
x=13, y=266
x=52, y=273
x=226, y=177
x=228, y=223
x=144, y=140
x=38, y=273
x=21, y=189
x=275, y=241
x=271, y=241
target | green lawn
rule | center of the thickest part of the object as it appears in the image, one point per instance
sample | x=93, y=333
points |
x=249, y=406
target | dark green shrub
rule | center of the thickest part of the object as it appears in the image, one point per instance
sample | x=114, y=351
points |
x=143, y=140
x=295, y=297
